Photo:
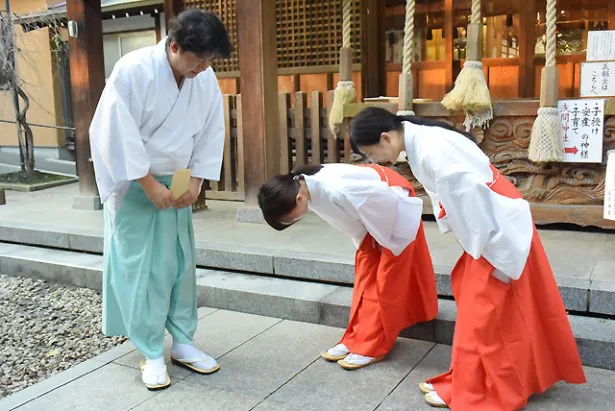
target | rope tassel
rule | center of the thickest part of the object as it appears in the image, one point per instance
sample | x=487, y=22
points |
x=471, y=92
x=546, y=141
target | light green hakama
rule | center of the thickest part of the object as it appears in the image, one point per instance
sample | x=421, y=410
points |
x=149, y=273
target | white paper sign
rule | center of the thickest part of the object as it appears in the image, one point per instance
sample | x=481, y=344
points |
x=609, y=189
x=583, y=128
x=598, y=79
x=601, y=45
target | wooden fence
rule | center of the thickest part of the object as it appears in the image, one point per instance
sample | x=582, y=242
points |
x=304, y=139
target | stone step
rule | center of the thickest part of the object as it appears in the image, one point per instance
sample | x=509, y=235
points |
x=286, y=298
x=579, y=294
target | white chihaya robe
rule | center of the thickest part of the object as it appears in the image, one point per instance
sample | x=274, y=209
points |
x=455, y=173
x=355, y=201
x=144, y=122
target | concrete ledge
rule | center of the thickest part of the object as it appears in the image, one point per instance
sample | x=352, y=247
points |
x=300, y=265
x=602, y=297
x=282, y=298
x=40, y=186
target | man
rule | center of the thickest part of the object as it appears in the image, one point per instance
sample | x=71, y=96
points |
x=161, y=111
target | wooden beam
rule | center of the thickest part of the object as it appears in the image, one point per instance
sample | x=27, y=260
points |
x=527, y=43
x=373, y=59
x=87, y=72
x=171, y=9
x=256, y=26
x=449, y=24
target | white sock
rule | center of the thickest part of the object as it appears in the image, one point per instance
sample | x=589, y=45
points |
x=428, y=386
x=356, y=359
x=338, y=350
x=436, y=398
x=189, y=353
x=154, y=372
x=156, y=362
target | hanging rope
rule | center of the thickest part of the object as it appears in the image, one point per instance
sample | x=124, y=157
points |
x=346, y=23
x=405, y=78
x=546, y=141
x=471, y=92
x=344, y=92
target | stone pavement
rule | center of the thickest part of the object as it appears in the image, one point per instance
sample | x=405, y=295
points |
x=272, y=364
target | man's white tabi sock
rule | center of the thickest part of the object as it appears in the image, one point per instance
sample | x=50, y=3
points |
x=194, y=356
x=154, y=372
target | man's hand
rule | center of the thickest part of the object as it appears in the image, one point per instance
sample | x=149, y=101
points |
x=156, y=192
x=190, y=196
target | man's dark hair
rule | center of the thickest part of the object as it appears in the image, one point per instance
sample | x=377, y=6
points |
x=200, y=32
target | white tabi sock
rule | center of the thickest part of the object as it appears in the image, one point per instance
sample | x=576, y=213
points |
x=189, y=353
x=154, y=371
x=433, y=396
x=338, y=350
x=356, y=359
x=428, y=386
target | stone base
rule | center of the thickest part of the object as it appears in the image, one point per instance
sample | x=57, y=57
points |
x=252, y=215
x=90, y=202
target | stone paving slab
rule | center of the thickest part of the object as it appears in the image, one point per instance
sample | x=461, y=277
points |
x=320, y=385
x=277, y=368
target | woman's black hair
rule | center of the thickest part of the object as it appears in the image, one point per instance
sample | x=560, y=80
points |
x=201, y=32
x=277, y=197
x=367, y=126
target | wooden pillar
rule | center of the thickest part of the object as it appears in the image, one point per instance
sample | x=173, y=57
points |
x=449, y=24
x=171, y=9
x=373, y=61
x=611, y=11
x=87, y=72
x=256, y=27
x=527, y=44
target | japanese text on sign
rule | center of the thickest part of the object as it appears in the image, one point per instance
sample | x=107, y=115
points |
x=609, y=189
x=601, y=45
x=582, y=128
x=598, y=79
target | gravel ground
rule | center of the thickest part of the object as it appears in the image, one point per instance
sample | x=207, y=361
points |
x=46, y=329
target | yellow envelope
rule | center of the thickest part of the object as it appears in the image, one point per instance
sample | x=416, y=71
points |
x=180, y=183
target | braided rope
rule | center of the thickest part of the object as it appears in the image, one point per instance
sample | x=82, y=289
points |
x=476, y=16
x=346, y=23
x=408, y=52
x=551, y=28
